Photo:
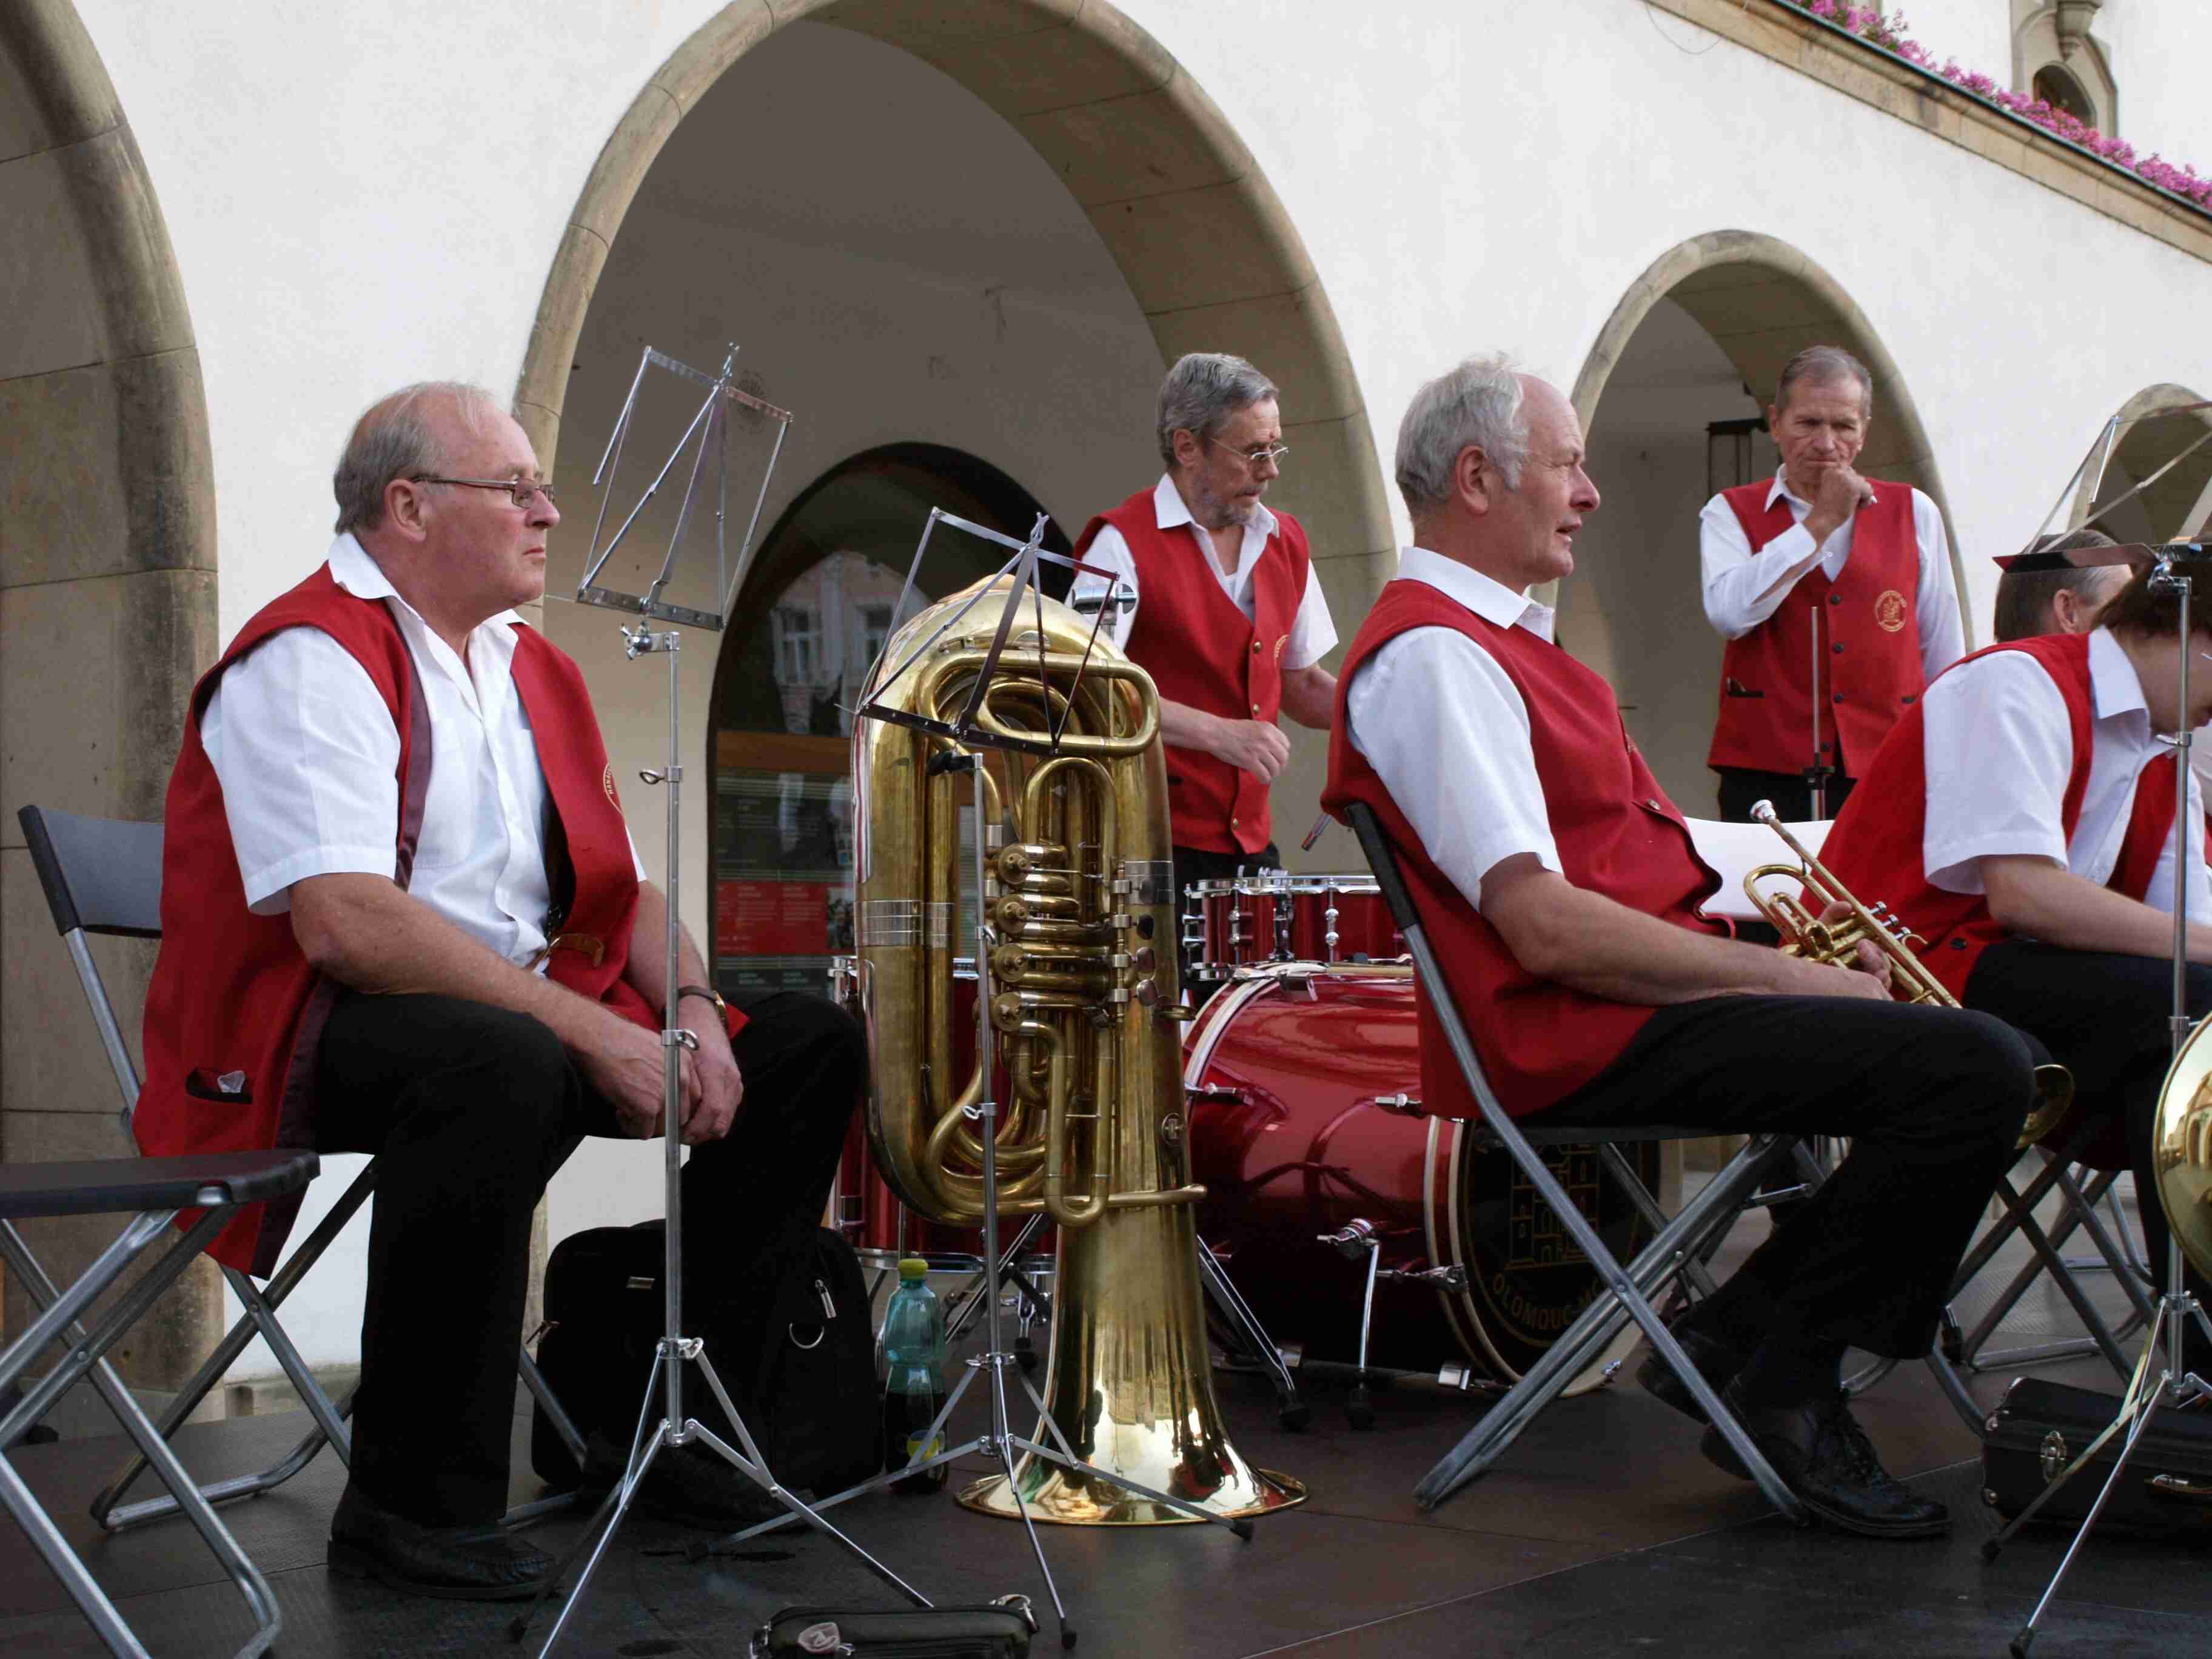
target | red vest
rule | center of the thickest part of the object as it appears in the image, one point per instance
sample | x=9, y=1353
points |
x=232, y=992
x=1870, y=667
x=1873, y=848
x=1201, y=650
x=1617, y=834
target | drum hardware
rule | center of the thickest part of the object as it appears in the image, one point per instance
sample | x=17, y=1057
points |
x=1248, y=1345
x=1836, y=943
x=1355, y=1239
x=1403, y=1104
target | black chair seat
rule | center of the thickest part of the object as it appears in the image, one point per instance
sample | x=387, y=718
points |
x=106, y=1186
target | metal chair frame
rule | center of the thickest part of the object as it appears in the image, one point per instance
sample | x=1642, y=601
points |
x=153, y=1190
x=102, y=875
x=1677, y=1246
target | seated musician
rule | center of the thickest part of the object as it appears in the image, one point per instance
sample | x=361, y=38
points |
x=2021, y=820
x=1560, y=889
x=2067, y=601
x=401, y=914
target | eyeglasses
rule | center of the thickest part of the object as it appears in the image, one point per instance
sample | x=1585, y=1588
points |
x=1255, y=457
x=521, y=489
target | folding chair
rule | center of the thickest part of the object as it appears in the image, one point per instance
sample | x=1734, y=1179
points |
x=151, y=1190
x=1734, y=849
x=104, y=876
x=1675, y=1249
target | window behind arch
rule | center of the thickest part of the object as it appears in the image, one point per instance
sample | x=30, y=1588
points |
x=2055, y=86
x=821, y=600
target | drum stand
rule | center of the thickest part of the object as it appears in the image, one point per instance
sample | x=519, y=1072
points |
x=2176, y=1306
x=998, y=1441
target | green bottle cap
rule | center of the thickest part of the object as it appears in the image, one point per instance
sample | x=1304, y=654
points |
x=912, y=1267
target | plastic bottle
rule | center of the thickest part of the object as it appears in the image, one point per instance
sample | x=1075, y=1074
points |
x=911, y=1360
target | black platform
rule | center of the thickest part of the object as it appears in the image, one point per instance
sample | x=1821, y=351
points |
x=1602, y=1533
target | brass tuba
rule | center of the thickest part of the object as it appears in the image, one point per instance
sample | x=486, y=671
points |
x=1836, y=943
x=1080, y=984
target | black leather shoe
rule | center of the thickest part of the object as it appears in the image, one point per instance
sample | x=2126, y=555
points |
x=1716, y=1362
x=480, y=1563
x=1829, y=1465
x=690, y=1486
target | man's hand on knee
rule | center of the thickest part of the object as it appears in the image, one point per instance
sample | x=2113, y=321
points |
x=721, y=1089
x=624, y=1063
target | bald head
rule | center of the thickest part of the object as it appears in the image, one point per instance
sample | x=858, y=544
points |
x=410, y=432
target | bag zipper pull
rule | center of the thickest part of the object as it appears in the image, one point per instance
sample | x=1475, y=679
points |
x=828, y=1307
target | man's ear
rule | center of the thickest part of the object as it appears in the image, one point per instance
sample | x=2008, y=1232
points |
x=405, y=504
x=1188, y=448
x=1475, y=481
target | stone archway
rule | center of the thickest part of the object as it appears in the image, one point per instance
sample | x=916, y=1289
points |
x=1727, y=310
x=107, y=570
x=2181, y=495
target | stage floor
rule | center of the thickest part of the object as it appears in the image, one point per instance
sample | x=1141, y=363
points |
x=1603, y=1532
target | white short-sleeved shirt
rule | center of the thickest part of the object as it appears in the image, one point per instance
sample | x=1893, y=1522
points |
x=1447, y=730
x=2000, y=748
x=1313, y=635
x=1736, y=579
x=306, y=754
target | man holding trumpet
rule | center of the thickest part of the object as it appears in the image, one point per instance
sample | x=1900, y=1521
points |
x=2021, y=820
x=1561, y=890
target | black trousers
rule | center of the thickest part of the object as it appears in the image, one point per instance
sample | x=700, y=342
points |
x=2103, y=1017
x=469, y=1110
x=1932, y=1100
x=1742, y=789
x=1192, y=866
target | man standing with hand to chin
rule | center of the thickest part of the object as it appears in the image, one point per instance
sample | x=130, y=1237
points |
x=1820, y=561
x=1213, y=596
x=401, y=915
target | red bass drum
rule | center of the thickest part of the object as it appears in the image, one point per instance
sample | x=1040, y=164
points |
x=1304, y=1083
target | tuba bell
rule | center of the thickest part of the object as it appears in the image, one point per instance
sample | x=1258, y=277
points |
x=1079, y=976
x=1836, y=943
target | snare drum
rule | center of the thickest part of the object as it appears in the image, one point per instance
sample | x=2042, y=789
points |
x=1228, y=925
x=1272, y=915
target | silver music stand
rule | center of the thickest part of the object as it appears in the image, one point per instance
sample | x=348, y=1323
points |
x=2176, y=1306
x=974, y=729
x=675, y=1350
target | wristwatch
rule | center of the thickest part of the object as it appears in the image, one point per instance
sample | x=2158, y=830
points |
x=707, y=992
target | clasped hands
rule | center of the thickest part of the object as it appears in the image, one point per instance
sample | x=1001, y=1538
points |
x=624, y=1062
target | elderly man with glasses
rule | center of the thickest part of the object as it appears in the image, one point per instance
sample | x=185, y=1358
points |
x=401, y=914
x=1213, y=595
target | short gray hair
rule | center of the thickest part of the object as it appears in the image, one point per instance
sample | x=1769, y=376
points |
x=2025, y=597
x=1824, y=365
x=1477, y=404
x=1202, y=391
x=393, y=438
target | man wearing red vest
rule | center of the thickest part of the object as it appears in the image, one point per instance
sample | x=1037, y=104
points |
x=1819, y=559
x=2021, y=820
x=1213, y=596
x=1561, y=888
x=401, y=914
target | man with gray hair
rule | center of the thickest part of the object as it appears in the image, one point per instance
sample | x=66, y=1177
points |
x=1561, y=891
x=401, y=914
x=1819, y=564
x=2034, y=602
x=1215, y=598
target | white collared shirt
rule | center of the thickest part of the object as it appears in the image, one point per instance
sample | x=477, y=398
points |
x=1447, y=731
x=1737, y=579
x=307, y=753
x=2000, y=749
x=1313, y=635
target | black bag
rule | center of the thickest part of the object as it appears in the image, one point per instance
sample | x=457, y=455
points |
x=2040, y=1427
x=789, y=1334
x=1000, y=1630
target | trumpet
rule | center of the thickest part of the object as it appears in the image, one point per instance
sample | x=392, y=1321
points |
x=1807, y=935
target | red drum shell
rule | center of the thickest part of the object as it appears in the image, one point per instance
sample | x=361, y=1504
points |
x=1228, y=925
x=1287, y=1071
x=1361, y=921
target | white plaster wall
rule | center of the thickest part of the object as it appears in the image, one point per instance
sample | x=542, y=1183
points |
x=1977, y=32
x=2159, y=50
x=361, y=196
